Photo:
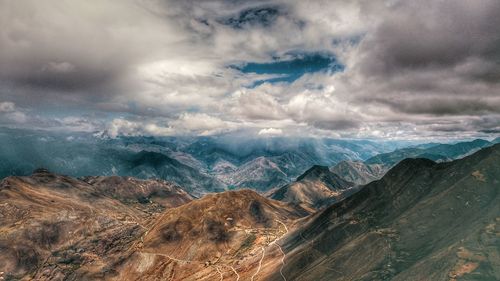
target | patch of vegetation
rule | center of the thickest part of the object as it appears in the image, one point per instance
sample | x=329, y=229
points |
x=257, y=212
x=247, y=244
x=248, y=241
x=143, y=200
x=216, y=231
x=176, y=231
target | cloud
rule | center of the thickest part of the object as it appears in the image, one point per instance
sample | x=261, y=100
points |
x=329, y=67
x=431, y=58
x=200, y=123
x=6, y=107
x=264, y=16
x=270, y=131
x=58, y=67
x=258, y=105
x=185, y=124
x=123, y=127
x=10, y=113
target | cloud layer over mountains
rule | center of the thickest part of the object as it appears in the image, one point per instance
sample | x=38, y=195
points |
x=398, y=69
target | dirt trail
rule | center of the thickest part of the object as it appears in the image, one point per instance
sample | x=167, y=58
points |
x=260, y=263
x=220, y=273
x=282, y=261
x=235, y=272
x=281, y=250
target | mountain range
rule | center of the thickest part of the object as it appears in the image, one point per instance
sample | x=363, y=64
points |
x=363, y=172
x=421, y=221
x=200, y=164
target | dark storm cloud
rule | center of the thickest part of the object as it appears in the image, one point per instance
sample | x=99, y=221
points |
x=422, y=35
x=485, y=124
x=339, y=124
x=69, y=48
x=64, y=76
x=433, y=58
x=443, y=105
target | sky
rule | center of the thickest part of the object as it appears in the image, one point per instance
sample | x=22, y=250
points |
x=326, y=68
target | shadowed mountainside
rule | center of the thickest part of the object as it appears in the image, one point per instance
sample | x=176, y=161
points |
x=421, y=221
x=147, y=164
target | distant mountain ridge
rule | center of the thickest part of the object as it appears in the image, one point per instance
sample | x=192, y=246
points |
x=375, y=167
x=440, y=152
x=199, y=164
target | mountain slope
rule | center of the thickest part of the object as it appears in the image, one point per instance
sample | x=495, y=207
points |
x=23, y=151
x=421, y=221
x=264, y=163
x=140, y=192
x=358, y=172
x=221, y=234
x=260, y=174
x=316, y=188
x=53, y=226
x=147, y=164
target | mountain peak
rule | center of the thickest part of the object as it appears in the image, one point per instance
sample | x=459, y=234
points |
x=480, y=141
x=314, y=171
x=314, y=189
x=416, y=163
x=216, y=226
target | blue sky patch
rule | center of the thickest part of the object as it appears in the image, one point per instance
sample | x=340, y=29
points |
x=292, y=69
